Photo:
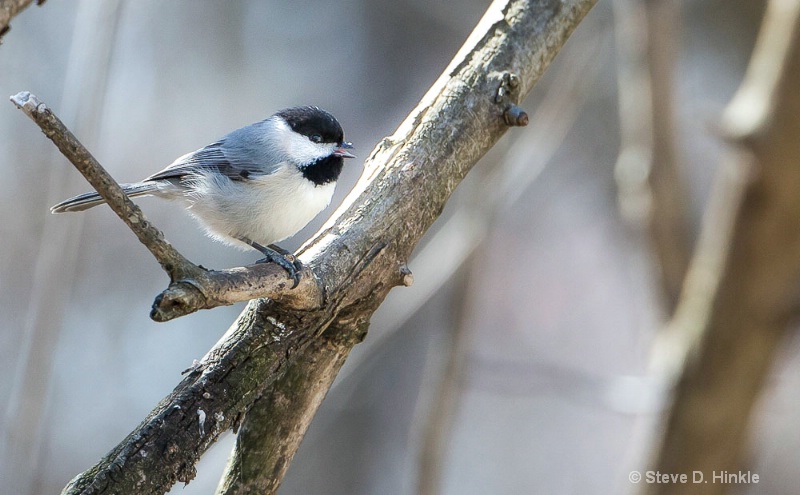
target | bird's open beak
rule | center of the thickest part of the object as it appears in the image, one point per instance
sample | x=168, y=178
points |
x=342, y=150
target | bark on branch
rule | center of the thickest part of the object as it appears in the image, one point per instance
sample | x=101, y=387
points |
x=741, y=291
x=357, y=257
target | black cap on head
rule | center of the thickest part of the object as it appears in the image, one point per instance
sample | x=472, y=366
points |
x=314, y=123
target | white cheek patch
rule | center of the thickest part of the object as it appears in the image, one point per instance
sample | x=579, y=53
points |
x=299, y=148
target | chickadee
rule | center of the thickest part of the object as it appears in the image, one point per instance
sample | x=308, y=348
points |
x=256, y=186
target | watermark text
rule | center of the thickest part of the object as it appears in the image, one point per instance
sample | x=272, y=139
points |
x=727, y=477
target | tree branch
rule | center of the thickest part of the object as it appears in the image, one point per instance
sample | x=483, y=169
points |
x=357, y=257
x=741, y=291
x=277, y=422
x=274, y=426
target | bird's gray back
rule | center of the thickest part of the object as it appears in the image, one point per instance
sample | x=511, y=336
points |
x=239, y=155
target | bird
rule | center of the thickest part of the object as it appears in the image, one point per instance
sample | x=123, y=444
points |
x=255, y=186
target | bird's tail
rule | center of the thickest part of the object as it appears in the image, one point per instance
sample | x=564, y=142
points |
x=91, y=199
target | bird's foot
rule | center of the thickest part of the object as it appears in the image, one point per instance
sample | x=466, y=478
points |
x=285, y=260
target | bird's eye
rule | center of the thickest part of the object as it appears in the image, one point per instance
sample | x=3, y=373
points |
x=316, y=138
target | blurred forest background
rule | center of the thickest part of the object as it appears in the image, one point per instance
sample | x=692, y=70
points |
x=517, y=363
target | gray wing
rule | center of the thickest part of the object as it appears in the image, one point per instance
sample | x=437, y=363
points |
x=241, y=155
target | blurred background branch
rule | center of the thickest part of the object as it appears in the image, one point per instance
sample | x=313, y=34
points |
x=741, y=292
x=8, y=9
x=652, y=195
x=82, y=97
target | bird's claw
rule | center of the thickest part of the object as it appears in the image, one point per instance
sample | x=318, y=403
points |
x=288, y=262
x=276, y=254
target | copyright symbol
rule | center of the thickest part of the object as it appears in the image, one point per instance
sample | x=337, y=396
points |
x=635, y=476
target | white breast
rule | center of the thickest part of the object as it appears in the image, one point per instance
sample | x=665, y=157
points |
x=265, y=209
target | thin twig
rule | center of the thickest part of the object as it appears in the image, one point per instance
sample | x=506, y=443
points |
x=170, y=259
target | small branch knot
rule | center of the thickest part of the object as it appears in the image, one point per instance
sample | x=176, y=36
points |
x=28, y=103
x=508, y=94
x=406, y=277
x=515, y=116
x=508, y=88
